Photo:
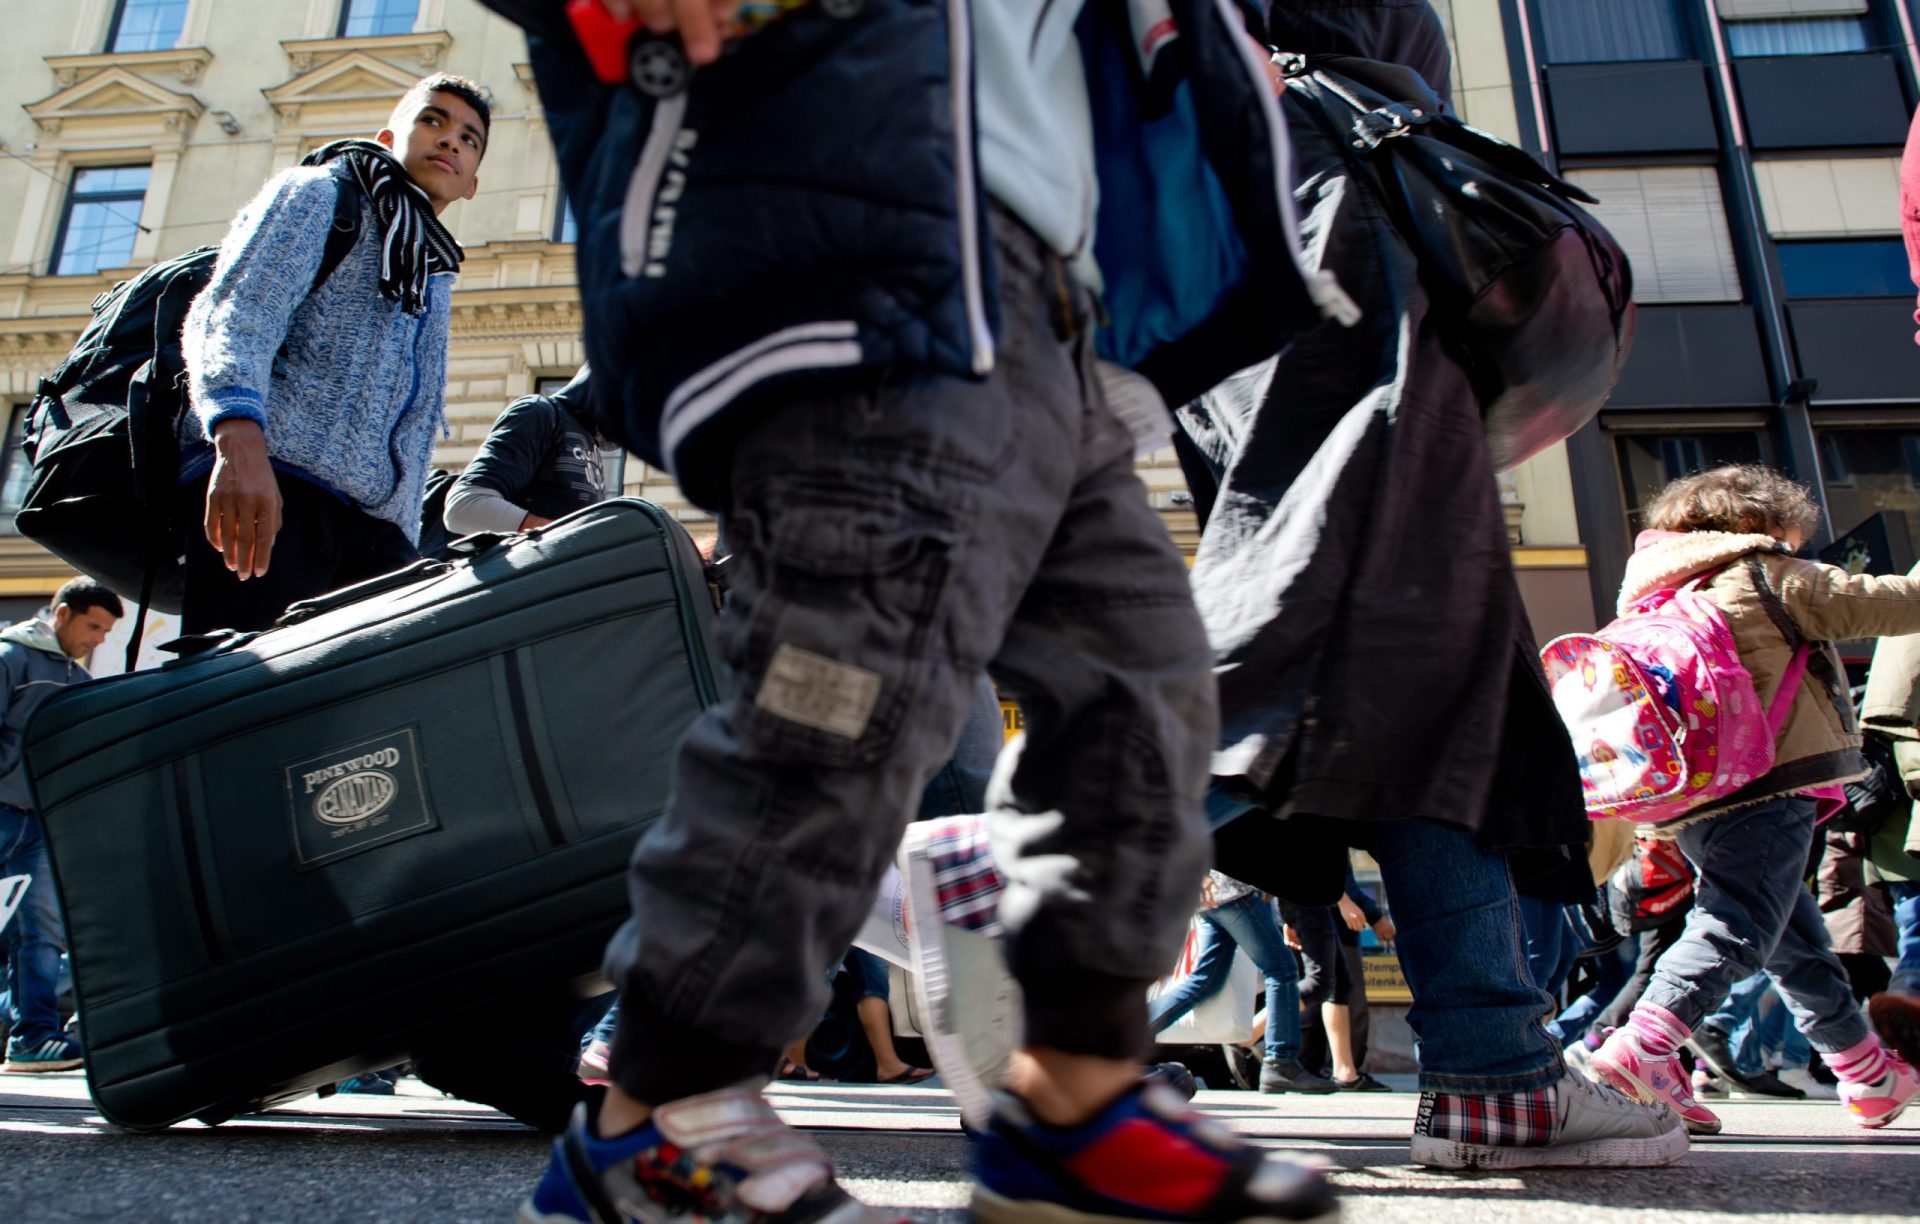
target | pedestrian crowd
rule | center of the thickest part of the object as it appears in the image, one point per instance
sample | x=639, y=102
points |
x=901, y=315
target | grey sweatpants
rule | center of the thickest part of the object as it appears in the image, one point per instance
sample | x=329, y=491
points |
x=889, y=543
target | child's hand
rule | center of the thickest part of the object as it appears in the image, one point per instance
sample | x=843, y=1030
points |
x=698, y=22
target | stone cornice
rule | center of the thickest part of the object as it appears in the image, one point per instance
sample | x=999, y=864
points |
x=184, y=64
x=427, y=47
x=517, y=313
x=139, y=98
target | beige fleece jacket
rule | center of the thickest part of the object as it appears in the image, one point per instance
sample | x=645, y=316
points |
x=1772, y=600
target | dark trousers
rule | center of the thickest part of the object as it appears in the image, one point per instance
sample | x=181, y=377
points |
x=324, y=544
x=1653, y=945
x=892, y=540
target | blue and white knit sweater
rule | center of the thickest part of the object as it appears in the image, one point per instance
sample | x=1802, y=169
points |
x=357, y=402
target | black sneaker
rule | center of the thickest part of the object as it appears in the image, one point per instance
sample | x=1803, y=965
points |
x=1287, y=1075
x=1175, y=1076
x=1361, y=1083
x=1712, y=1047
x=1243, y=1065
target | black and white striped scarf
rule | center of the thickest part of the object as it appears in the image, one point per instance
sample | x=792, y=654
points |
x=413, y=243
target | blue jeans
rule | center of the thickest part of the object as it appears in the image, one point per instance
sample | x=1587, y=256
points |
x=1752, y=1028
x=1611, y=971
x=35, y=936
x=1246, y=923
x=1906, y=917
x=1476, y=1015
x=1551, y=945
x=1751, y=912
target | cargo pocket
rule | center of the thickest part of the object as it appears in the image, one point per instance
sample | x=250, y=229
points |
x=840, y=596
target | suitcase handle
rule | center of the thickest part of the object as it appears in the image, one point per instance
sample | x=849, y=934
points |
x=307, y=609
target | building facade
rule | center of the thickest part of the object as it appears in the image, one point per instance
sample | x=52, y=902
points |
x=133, y=130
x=1747, y=154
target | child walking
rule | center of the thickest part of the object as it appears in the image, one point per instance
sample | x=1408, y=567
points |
x=1736, y=529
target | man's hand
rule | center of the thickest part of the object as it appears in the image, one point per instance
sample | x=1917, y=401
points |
x=698, y=22
x=1293, y=939
x=1352, y=915
x=533, y=520
x=1384, y=929
x=243, y=498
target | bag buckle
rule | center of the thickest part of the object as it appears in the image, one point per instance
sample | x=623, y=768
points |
x=1376, y=127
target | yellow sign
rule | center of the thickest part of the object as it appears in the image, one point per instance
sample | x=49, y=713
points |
x=1012, y=721
x=1385, y=982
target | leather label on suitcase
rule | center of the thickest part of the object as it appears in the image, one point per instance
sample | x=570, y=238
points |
x=356, y=797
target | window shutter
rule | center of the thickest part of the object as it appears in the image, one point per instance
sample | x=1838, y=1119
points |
x=1673, y=226
x=1766, y=10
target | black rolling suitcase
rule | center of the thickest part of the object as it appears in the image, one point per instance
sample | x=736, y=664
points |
x=284, y=857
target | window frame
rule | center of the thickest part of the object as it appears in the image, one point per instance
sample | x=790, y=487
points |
x=12, y=452
x=120, y=11
x=72, y=198
x=346, y=15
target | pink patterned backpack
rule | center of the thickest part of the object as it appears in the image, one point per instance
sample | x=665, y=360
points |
x=1663, y=716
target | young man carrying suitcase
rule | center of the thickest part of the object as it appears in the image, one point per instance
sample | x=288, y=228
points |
x=37, y=657
x=314, y=414
x=894, y=532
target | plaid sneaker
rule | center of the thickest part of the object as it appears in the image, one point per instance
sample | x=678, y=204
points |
x=57, y=1053
x=721, y=1158
x=1573, y=1123
x=1657, y=1079
x=1147, y=1156
x=966, y=1003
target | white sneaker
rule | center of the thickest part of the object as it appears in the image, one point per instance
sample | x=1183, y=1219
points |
x=1584, y=1124
x=967, y=1006
x=1801, y=1078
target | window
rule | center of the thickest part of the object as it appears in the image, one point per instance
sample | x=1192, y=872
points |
x=368, y=18
x=15, y=472
x=1650, y=461
x=1830, y=197
x=1817, y=36
x=1868, y=471
x=1588, y=32
x=1673, y=226
x=147, y=25
x=565, y=228
x=101, y=221
x=1870, y=268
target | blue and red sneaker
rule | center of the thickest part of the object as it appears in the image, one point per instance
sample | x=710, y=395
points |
x=1147, y=1156
x=720, y=1158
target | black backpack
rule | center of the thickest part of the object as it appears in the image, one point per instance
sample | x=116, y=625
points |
x=435, y=539
x=103, y=433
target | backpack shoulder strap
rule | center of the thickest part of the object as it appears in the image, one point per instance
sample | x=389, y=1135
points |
x=344, y=232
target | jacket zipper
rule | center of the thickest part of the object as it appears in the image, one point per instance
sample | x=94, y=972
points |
x=643, y=189
x=972, y=280
x=1322, y=286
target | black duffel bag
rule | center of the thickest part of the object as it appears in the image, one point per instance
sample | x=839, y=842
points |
x=1533, y=293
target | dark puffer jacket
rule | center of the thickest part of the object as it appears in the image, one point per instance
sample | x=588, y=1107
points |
x=811, y=206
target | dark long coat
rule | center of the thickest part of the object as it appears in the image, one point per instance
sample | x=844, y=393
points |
x=1374, y=658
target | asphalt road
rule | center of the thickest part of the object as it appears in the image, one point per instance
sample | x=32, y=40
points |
x=420, y=1157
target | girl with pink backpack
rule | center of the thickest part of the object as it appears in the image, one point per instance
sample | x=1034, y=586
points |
x=1730, y=536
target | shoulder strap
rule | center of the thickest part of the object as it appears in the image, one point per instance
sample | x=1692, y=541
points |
x=1789, y=688
x=344, y=232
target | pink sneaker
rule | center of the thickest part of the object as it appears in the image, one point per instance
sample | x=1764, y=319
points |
x=1624, y=1063
x=1875, y=1104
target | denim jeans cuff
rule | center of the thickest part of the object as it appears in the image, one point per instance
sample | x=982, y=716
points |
x=1849, y=1030
x=1550, y=1072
